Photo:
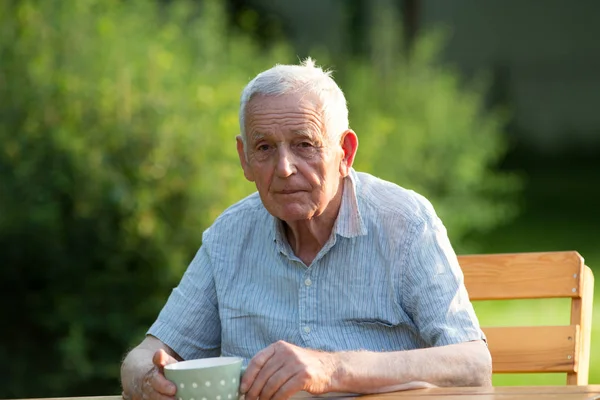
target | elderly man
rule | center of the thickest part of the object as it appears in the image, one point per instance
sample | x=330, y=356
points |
x=326, y=280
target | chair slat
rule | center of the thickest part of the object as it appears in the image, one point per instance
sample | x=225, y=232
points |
x=532, y=349
x=523, y=276
x=581, y=313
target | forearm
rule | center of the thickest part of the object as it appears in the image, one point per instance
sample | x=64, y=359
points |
x=465, y=364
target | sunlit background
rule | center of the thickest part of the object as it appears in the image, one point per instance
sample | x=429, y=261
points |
x=117, y=127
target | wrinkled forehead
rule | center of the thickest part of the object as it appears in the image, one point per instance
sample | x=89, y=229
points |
x=303, y=113
x=290, y=102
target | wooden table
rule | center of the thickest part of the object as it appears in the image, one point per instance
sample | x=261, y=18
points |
x=493, y=393
x=497, y=393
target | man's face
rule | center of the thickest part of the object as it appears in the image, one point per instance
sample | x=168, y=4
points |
x=296, y=167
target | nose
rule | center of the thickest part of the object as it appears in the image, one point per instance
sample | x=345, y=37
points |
x=285, y=163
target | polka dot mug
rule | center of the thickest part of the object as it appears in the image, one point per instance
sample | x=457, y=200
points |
x=216, y=378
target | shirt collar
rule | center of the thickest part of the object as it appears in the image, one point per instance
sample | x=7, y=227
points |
x=349, y=222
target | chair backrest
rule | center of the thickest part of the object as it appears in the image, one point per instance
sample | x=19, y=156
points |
x=536, y=276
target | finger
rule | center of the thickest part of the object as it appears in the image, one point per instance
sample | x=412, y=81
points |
x=158, y=396
x=288, y=389
x=273, y=371
x=256, y=364
x=162, y=385
x=274, y=383
x=161, y=358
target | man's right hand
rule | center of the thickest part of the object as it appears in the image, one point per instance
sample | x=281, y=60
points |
x=145, y=380
x=155, y=385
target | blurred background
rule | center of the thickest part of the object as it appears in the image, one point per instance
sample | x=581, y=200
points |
x=117, y=129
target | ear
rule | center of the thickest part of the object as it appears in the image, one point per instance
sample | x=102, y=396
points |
x=349, y=143
x=243, y=161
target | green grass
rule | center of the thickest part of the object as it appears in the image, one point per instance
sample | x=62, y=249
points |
x=559, y=213
x=536, y=313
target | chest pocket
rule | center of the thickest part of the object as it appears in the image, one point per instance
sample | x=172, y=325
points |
x=364, y=303
x=366, y=316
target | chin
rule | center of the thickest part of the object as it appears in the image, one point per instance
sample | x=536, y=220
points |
x=289, y=213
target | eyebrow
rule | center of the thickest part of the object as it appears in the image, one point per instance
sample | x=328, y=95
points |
x=308, y=133
x=257, y=136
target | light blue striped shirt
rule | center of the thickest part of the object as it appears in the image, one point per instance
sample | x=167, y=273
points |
x=387, y=279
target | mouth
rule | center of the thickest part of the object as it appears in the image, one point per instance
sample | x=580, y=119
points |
x=289, y=191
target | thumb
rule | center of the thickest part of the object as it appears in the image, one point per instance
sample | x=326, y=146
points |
x=161, y=358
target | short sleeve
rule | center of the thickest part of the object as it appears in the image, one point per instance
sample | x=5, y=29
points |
x=189, y=322
x=433, y=291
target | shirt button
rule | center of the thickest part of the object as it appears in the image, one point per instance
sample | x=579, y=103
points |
x=307, y=329
x=308, y=282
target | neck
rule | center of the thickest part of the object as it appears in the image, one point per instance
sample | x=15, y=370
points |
x=307, y=237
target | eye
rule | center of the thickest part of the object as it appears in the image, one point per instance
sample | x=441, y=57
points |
x=263, y=147
x=305, y=145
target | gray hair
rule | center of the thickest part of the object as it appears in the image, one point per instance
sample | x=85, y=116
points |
x=304, y=78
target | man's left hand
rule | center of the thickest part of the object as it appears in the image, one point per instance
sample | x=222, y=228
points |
x=282, y=369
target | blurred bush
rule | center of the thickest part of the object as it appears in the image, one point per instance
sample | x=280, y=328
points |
x=423, y=128
x=117, y=124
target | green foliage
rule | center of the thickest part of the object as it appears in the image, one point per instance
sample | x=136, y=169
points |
x=117, y=124
x=420, y=127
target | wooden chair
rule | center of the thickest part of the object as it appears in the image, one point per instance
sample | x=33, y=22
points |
x=536, y=276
